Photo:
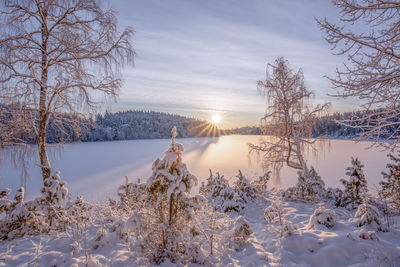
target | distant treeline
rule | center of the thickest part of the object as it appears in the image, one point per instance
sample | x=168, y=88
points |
x=134, y=124
x=328, y=126
x=127, y=125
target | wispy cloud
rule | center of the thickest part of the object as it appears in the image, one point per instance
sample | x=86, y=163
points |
x=196, y=57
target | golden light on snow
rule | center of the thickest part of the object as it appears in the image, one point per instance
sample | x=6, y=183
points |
x=216, y=118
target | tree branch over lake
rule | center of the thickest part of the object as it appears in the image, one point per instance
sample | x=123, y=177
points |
x=369, y=36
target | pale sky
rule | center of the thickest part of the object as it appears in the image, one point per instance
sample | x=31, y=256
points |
x=201, y=57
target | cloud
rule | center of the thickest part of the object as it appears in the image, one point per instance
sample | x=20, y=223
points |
x=196, y=56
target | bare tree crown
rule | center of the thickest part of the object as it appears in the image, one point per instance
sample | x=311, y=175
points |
x=57, y=56
x=289, y=116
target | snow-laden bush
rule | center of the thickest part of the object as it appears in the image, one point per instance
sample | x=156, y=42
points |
x=131, y=195
x=368, y=235
x=275, y=215
x=40, y=215
x=322, y=216
x=260, y=185
x=334, y=196
x=4, y=201
x=244, y=189
x=223, y=196
x=355, y=187
x=309, y=187
x=368, y=216
x=390, y=186
x=21, y=218
x=241, y=232
x=49, y=202
x=211, y=229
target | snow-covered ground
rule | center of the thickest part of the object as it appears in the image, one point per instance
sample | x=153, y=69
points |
x=95, y=170
x=321, y=246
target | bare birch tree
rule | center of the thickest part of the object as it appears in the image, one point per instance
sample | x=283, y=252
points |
x=369, y=35
x=289, y=117
x=57, y=57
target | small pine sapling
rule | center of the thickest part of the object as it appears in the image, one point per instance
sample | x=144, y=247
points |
x=367, y=216
x=244, y=189
x=355, y=187
x=309, y=187
x=390, y=186
x=334, y=196
x=168, y=190
x=261, y=184
x=131, y=195
x=4, y=201
x=218, y=191
x=49, y=202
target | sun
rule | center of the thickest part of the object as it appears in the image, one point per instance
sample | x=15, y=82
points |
x=216, y=118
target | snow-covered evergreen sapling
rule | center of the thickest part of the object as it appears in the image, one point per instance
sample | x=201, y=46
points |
x=132, y=195
x=244, y=189
x=355, y=187
x=309, y=187
x=168, y=196
x=390, y=186
x=367, y=216
x=218, y=191
x=261, y=184
x=334, y=196
x=4, y=201
x=322, y=216
x=49, y=202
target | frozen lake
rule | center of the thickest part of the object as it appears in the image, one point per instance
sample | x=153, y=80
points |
x=95, y=170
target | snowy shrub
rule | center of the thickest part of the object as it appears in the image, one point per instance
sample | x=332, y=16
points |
x=309, y=187
x=334, y=196
x=100, y=239
x=4, y=201
x=20, y=218
x=244, y=189
x=367, y=215
x=275, y=215
x=368, y=235
x=215, y=184
x=194, y=252
x=172, y=207
x=131, y=195
x=218, y=192
x=355, y=187
x=211, y=228
x=390, y=187
x=322, y=216
x=78, y=214
x=134, y=224
x=49, y=202
x=260, y=185
x=241, y=232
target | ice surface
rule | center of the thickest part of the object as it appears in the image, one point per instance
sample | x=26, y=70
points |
x=95, y=170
